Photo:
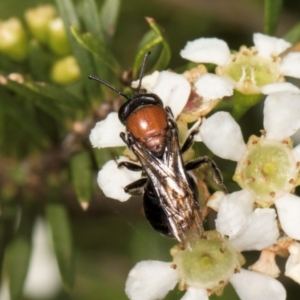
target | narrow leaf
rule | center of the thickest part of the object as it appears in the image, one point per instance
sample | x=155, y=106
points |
x=98, y=49
x=19, y=254
x=293, y=35
x=271, y=15
x=108, y=16
x=153, y=41
x=38, y=61
x=81, y=174
x=49, y=98
x=92, y=18
x=68, y=14
x=59, y=222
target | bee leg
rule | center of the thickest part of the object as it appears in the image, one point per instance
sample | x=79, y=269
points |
x=137, y=187
x=217, y=176
x=130, y=166
x=188, y=142
x=169, y=112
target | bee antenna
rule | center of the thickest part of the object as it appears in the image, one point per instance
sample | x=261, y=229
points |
x=142, y=71
x=109, y=85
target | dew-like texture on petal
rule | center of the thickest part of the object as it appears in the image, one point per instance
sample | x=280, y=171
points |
x=288, y=210
x=206, y=50
x=281, y=115
x=292, y=267
x=290, y=65
x=148, y=82
x=212, y=87
x=223, y=136
x=268, y=45
x=112, y=179
x=150, y=280
x=296, y=152
x=255, y=286
x=261, y=232
x=195, y=294
x=279, y=87
x=174, y=91
x=106, y=133
x=234, y=213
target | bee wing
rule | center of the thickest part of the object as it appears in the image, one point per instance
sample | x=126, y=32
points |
x=169, y=181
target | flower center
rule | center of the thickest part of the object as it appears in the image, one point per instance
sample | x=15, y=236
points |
x=208, y=263
x=251, y=71
x=268, y=170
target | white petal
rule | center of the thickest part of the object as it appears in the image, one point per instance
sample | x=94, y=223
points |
x=195, y=294
x=279, y=87
x=292, y=267
x=251, y=285
x=174, y=91
x=288, y=209
x=150, y=280
x=206, y=50
x=281, y=115
x=112, y=180
x=223, y=136
x=268, y=45
x=296, y=152
x=148, y=82
x=260, y=233
x=234, y=213
x=43, y=278
x=212, y=87
x=215, y=200
x=290, y=65
x=106, y=133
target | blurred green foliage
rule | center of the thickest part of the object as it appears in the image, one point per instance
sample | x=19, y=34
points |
x=48, y=106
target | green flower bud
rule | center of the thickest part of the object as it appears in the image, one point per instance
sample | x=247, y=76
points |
x=65, y=70
x=13, y=39
x=58, y=40
x=38, y=20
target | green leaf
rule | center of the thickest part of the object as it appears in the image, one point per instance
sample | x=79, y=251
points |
x=38, y=61
x=19, y=253
x=271, y=15
x=242, y=103
x=58, y=219
x=81, y=174
x=156, y=42
x=293, y=35
x=68, y=14
x=49, y=98
x=103, y=155
x=12, y=112
x=98, y=49
x=108, y=17
x=92, y=18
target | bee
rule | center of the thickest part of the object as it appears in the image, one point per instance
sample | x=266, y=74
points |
x=170, y=195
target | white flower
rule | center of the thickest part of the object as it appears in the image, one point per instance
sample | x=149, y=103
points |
x=268, y=167
x=43, y=278
x=250, y=69
x=151, y=280
x=173, y=89
x=194, y=92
